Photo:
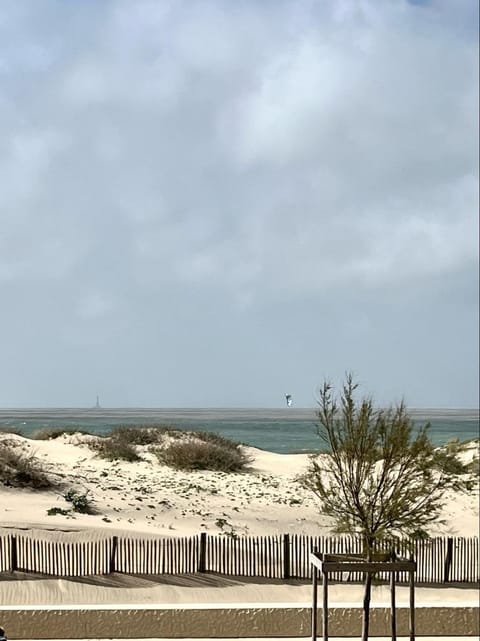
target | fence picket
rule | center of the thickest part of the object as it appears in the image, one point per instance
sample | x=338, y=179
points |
x=267, y=556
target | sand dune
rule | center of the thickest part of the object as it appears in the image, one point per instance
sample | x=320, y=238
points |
x=148, y=497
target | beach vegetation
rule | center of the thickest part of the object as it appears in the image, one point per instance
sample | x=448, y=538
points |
x=53, y=511
x=80, y=502
x=20, y=469
x=380, y=476
x=121, y=442
x=473, y=468
x=142, y=434
x=221, y=523
x=217, y=439
x=202, y=451
x=9, y=429
x=455, y=445
x=113, y=449
x=49, y=433
x=449, y=463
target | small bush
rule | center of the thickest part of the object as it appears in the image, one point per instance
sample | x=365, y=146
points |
x=52, y=511
x=448, y=463
x=114, y=449
x=20, y=470
x=217, y=439
x=48, y=433
x=80, y=502
x=473, y=467
x=140, y=434
x=7, y=429
x=455, y=446
x=120, y=442
x=203, y=455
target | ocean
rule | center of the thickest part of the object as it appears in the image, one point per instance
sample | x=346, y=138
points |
x=284, y=431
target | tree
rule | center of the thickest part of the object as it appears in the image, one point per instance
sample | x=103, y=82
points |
x=380, y=476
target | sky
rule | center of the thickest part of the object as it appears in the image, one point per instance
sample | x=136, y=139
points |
x=213, y=203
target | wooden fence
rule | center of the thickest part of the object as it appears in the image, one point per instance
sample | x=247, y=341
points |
x=439, y=560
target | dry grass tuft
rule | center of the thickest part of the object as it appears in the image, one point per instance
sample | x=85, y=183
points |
x=204, y=451
x=18, y=469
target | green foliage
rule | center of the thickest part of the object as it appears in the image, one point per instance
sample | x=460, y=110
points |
x=216, y=439
x=80, y=502
x=141, y=434
x=380, y=476
x=7, y=429
x=448, y=463
x=53, y=511
x=48, y=433
x=22, y=470
x=114, y=449
x=120, y=442
x=454, y=446
x=204, y=453
x=473, y=468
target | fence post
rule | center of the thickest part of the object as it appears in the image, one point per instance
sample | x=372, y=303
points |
x=448, y=560
x=286, y=556
x=13, y=554
x=202, y=557
x=113, y=554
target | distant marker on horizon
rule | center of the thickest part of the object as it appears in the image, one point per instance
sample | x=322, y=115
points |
x=289, y=400
x=97, y=404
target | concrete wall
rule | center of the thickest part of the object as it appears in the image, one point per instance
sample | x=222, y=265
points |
x=247, y=620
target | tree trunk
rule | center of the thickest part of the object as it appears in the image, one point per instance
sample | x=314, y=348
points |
x=366, y=606
x=368, y=551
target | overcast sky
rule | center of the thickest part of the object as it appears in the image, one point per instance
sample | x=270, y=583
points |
x=215, y=202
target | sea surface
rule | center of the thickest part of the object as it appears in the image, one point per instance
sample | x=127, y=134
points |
x=285, y=431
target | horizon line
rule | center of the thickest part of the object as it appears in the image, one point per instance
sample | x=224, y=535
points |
x=210, y=408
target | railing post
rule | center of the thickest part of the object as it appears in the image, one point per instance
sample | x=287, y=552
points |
x=286, y=556
x=13, y=554
x=202, y=557
x=448, y=560
x=325, y=604
x=393, y=612
x=411, y=609
x=113, y=555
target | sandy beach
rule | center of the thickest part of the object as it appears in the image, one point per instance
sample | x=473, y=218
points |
x=146, y=497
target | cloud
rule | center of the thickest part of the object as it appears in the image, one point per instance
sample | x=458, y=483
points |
x=255, y=153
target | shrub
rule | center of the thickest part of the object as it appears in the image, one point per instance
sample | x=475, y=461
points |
x=48, y=433
x=21, y=470
x=473, y=467
x=448, y=463
x=80, y=502
x=7, y=429
x=217, y=439
x=452, y=446
x=52, y=511
x=140, y=434
x=120, y=442
x=114, y=449
x=197, y=454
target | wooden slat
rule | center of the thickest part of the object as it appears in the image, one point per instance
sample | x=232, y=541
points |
x=247, y=556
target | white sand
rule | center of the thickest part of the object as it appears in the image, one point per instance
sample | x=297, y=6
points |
x=123, y=589
x=148, y=497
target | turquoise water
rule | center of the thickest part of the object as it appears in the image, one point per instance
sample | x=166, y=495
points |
x=277, y=430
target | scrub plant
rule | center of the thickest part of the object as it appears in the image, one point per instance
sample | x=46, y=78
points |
x=380, y=477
